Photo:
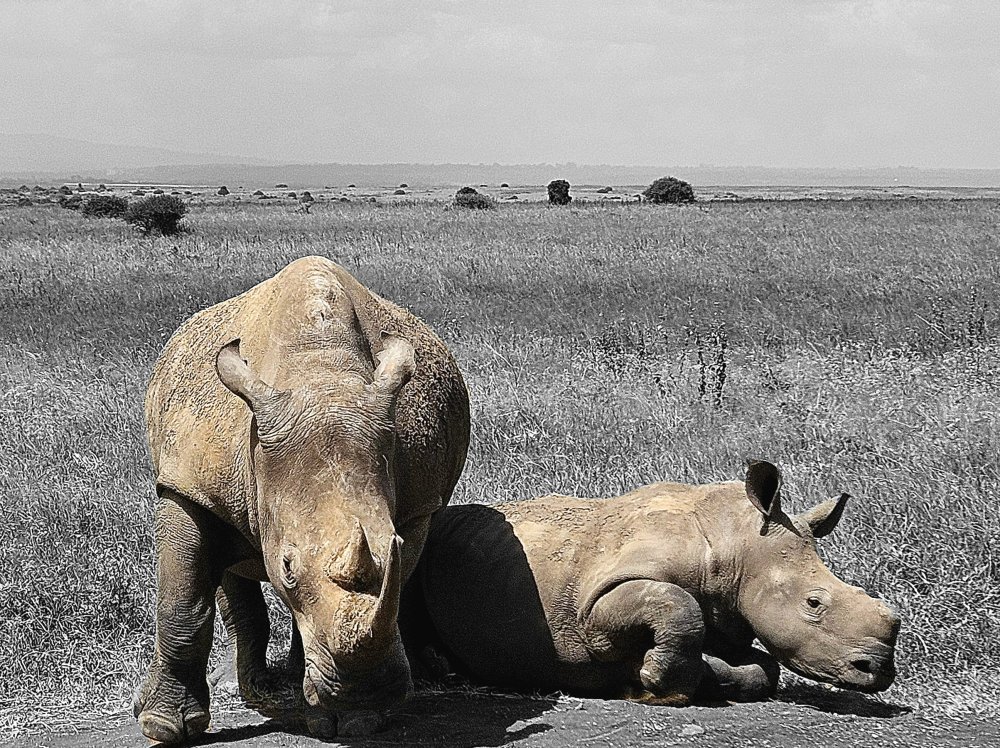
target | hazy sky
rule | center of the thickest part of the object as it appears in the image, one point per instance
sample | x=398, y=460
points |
x=796, y=83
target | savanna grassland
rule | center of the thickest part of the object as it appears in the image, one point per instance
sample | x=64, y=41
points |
x=854, y=343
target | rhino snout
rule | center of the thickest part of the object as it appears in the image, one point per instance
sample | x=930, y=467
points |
x=384, y=686
x=871, y=668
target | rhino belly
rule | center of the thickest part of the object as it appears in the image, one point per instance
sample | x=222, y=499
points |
x=483, y=601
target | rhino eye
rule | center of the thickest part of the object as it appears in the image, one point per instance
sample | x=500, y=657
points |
x=814, y=602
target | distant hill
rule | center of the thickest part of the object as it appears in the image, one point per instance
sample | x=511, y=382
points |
x=48, y=154
x=44, y=158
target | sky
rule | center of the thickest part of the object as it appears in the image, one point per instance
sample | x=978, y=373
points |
x=834, y=83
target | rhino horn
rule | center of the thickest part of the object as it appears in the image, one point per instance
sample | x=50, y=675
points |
x=383, y=621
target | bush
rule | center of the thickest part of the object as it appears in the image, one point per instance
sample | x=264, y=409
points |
x=65, y=190
x=504, y=185
x=292, y=195
x=399, y=192
x=605, y=190
x=223, y=190
x=159, y=213
x=404, y=184
x=258, y=193
x=105, y=206
x=559, y=192
x=281, y=186
x=669, y=190
x=70, y=202
x=306, y=197
x=469, y=197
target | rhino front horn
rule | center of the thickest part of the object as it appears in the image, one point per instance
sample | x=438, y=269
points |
x=383, y=622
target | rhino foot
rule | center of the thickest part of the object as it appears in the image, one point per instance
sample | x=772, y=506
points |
x=164, y=720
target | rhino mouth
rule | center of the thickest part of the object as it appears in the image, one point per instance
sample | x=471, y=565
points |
x=380, y=688
x=870, y=672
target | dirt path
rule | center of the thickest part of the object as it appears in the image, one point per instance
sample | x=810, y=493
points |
x=462, y=719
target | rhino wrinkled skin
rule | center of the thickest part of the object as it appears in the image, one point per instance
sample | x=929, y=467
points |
x=302, y=433
x=655, y=595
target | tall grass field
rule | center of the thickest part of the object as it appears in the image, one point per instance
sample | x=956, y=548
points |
x=853, y=343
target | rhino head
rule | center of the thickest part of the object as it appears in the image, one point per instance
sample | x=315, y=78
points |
x=811, y=621
x=321, y=454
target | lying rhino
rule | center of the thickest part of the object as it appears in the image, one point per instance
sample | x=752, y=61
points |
x=655, y=595
x=315, y=464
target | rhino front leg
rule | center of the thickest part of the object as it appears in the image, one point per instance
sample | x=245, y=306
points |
x=244, y=611
x=172, y=705
x=634, y=612
x=750, y=676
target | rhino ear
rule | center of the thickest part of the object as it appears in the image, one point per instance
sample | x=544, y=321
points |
x=822, y=518
x=764, y=487
x=238, y=377
x=396, y=364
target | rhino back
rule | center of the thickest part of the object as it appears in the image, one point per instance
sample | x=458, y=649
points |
x=198, y=431
x=432, y=412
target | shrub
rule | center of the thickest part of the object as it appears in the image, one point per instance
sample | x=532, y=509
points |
x=669, y=190
x=605, y=190
x=351, y=186
x=258, y=193
x=306, y=197
x=23, y=201
x=559, y=192
x=159, y=213
x=399, y=192
x=105, y=206
x=157, y=191
x=70, y=202
x=101, y=188
x=223, y=190
x=404, y=184
x=469, y=197
x=504, y=184
x=281, y=186
x=292, y=195
x=65, y=190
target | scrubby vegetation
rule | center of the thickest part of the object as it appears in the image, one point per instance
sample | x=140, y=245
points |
x=558, y=190
x=853, y=343
x=669, y=190
x=160, y=213
x=105, y=206
x=470, y=197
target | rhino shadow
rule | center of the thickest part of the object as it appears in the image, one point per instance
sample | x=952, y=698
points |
x=817, y=697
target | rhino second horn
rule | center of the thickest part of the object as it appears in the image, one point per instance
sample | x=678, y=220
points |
x=355, y=568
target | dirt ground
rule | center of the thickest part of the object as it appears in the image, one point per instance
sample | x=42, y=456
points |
x=802, y=717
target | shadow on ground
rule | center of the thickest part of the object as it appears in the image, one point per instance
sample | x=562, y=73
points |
x=839, y=702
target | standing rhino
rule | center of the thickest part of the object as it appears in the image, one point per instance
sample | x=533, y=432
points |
x=655, y=595
x=314, y=464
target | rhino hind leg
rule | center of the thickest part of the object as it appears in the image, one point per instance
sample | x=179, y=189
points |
x=172, y=704
x=625, y=619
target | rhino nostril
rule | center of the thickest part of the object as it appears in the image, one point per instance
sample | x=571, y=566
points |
x=864, y=665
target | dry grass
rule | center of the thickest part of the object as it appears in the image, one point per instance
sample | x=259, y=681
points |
x=605, y=347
